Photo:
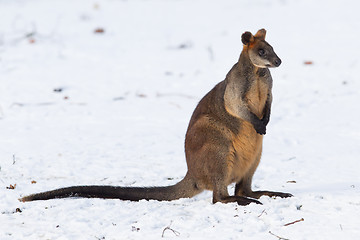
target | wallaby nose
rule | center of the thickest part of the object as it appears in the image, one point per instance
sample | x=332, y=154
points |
x=277, y=62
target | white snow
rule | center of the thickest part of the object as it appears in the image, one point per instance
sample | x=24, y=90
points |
x=128, y=94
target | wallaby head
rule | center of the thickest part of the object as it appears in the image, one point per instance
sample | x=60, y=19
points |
x=261, y=54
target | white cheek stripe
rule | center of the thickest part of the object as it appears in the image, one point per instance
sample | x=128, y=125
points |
x=263, y=66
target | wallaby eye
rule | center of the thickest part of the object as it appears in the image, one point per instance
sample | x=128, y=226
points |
x=261, y=52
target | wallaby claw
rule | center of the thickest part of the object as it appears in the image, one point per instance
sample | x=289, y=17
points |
x=280, y=194
x=285, y=195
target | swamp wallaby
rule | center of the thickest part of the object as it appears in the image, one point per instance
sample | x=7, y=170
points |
x=223, y=142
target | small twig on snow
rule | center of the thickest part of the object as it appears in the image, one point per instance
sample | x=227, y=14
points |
x=169, y=228
x=300, y=220
x=280, y=238
x=262, y=213
x=29, y=34
x=99, y=238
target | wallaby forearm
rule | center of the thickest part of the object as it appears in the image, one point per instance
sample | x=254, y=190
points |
x=267, y=110
x=258, y=124
x=243, y=112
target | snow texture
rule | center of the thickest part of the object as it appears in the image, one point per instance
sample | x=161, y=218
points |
x=101, y=92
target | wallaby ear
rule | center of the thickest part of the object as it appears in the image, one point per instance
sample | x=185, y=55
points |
x=261, y=34
x=247, y=38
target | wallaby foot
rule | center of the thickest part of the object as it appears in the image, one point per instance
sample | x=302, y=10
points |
x=243, y=201
x=221, y=195
x=258, y=194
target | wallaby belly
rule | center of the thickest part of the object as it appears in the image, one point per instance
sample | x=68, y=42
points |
x=244, y=152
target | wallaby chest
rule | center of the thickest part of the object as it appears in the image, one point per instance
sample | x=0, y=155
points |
x=257, y=95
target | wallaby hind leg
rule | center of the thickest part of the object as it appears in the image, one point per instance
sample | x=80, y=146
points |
x=220, y=191
x=210, y=160
x=243, y=187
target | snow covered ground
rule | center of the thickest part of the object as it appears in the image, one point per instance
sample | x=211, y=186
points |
x=128, y=75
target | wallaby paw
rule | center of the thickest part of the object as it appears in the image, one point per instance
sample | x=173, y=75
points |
x=265, y=121
x=260, y=129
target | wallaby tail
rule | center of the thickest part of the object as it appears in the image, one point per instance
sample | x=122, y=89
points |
x=183, y=189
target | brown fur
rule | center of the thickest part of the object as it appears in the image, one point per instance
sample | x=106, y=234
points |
x=223, y=142
x=222, y=146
